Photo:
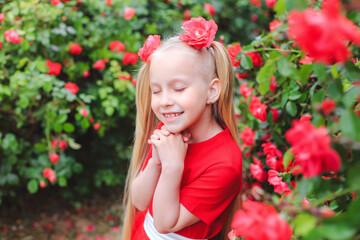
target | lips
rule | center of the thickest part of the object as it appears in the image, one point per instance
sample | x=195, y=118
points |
x=174, y=114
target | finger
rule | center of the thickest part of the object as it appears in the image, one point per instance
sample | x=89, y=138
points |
x=154, y=136
x=158, y=133
x=165, y=132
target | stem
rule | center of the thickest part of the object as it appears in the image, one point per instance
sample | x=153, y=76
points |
x=333, y=195
x=275, y=49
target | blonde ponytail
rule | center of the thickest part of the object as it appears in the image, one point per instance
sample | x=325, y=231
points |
x=225, y=111
x=143, y=129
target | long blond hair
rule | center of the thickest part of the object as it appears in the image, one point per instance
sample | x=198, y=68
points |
x=222, y=110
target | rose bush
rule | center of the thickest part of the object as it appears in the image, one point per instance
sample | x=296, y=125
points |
x=67, y=85
x=301, y=102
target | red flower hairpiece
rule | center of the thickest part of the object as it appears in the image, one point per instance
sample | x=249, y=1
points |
x=150, y=45
x=199, y=32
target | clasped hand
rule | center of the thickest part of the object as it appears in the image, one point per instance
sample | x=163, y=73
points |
x=169, y=149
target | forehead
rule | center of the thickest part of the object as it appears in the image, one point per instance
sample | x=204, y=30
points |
x=174, y=64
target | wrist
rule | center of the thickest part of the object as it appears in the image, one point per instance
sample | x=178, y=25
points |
x=173, y=167
x=154, y=164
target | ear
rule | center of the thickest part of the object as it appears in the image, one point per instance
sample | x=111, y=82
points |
x=214, y=89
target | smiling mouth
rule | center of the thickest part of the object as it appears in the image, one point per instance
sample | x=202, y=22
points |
x=172, y=115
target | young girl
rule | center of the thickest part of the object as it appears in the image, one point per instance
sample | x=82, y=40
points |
x=185, y=172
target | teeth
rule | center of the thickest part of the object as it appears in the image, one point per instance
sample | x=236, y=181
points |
x=172, y=115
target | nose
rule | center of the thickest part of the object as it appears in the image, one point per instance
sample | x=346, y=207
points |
x=166, y=99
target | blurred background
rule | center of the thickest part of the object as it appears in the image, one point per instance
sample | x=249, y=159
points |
x=67, y=101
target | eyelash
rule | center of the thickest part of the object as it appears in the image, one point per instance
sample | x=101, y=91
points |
x=176, y=90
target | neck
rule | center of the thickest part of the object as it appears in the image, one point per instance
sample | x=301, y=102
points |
x=205, y=128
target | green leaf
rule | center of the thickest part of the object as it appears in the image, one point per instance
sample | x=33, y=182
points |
x=32, y=186
x=246, y=62
x=305, y=72
x=264, y=76
x=350, y=125
x=287, y=157
x=12, y=179
x=294, y=95
x=320, y=71
x=69, y=128
x=337, y=231
x=62, y=181
x=296, y=4
x=351, y=96
x=280, y=7
x=335, y=89
x=77, y=168
x=285, y=67
x=304, y=223
x=291, y=108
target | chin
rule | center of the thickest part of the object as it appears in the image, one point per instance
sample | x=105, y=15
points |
x=174, y=129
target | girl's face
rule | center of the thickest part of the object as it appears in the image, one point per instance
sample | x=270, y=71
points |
x=179, y=90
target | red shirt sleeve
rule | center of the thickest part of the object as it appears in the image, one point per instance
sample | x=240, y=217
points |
x=210, y=194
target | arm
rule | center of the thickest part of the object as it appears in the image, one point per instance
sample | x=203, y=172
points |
x=169, y=214
x=143, y=186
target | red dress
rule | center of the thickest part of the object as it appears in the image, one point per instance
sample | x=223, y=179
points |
x=211, y=180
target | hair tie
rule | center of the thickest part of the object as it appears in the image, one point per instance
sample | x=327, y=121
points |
x=199, y=33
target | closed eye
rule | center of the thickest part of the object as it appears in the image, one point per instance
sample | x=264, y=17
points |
x=179, y=89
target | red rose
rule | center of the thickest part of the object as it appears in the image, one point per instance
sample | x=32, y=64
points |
x=97, y=126
x=0, y=45
x=42, y=184
x=124, y=77
x=311, y=147
x=247, y=136
x=55, y=2
x=187, y=14
x=150, y=45
x=129, y=13
x=327, y=106
x=270, y=3
x=116, y=46
x=256, y=2
x=306, y=60
x=75, y=49
x=130, y=58
x=257, y=109
x=54, y=68
x=54, y=158
x=99, y=64
x=246, y=92
x=12, y=37
x=83, y=112
x=275, y=180
x=72, y=87
x=254, y=17
x=210, y=9
x=274, y=25
x=234, y=50
x=255, y=59
x=273, y=84
x=274, y=158
x=62, y=144
x=257, y=170
x=50, y=174
x=199, y=32
x=241, y=75
x=357, y=109
x=305, y=117
x=108, y=2
x=86, y=73
x=258, y=221
x=275, y=114
x=314, y=32
x=2, y=17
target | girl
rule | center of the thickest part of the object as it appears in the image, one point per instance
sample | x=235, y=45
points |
x=185, y=175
